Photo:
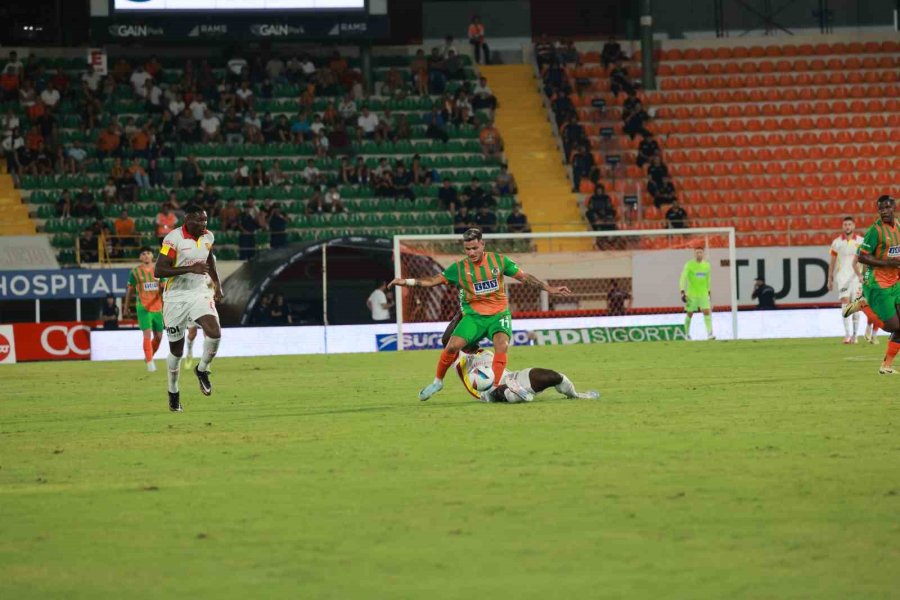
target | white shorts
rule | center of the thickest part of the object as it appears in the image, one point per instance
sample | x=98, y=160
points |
x=847, y=286
x=523, y=378
x=178, y=316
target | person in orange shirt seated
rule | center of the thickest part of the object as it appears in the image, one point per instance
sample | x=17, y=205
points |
x=34, y=139
x=491, y=142
x=137, y=172
x=108, y=143
x=140, y=143
x=125, y=231
x=165, y=221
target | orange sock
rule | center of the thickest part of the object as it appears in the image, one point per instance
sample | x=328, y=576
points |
x=499, y=365
x=873, y=318
x=444, y=363
x=156, y=343
x=148, y=350
x=892, y=350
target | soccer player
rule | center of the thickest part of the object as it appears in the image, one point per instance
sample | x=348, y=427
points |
x=880, y=251
x=480, y=279
x=844, y=273
x=187, y=261
x=148, y=306
x=530, y=381
x=695, y=285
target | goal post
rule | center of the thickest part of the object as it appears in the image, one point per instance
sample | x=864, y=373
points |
x=620, y=277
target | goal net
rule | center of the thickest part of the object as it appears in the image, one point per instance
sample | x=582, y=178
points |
x=623, y=280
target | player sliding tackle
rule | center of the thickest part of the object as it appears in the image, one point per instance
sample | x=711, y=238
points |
x=187, y=261
x=474, y=363
x=880, y=251
x=485, y=306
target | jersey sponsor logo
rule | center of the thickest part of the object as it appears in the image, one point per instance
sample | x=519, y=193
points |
x=173, y=330
x=488, y=286
x=151, y=286
x=893, y=252
x=701, y=274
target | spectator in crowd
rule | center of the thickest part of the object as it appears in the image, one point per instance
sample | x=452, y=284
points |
x=635, y=123
x=517, y=222
x=278, y=223
x=233, y=128
x=505, y=183
x=647, y=149
x=311, y=174
x=253, y=128
x=316, y=204
x=50, y=97
x=479, y=45
x=198, y=107
x=109, y=193
x=333, y=202
x=85, y=205
x=210, y=127
x=419, y=68
x=448, y=197
x=138, y=174
x=611, y=53
x=366, y=124
x=247, y=225
x=186, y=128
x=582, y=161
x=88, y=248
x=402, y=184
x=663, y=193
x=486, y=219
x=618, y=301
x=258, y=175
x=155, y=174
x=126, y=232
x=378, y=303
x=436, y=125
x=229, y=215
x=64, y=205
x=482, y=96
x=165, y=221
x=764, y=294
x=676, y=217
x=473, y=195
x=339, y=141
x=139, y=78
x=543, y=51
x=109, y=313
x=279, y=312
x=189, y=174
x=601, y=213
x=491, y=142
x=620, y=80
x=657, y=171
x=108, y=143
x=420, y=174
x=9, y=84
x=462, y=220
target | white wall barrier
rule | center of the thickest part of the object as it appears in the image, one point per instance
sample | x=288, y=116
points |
x=276, y=341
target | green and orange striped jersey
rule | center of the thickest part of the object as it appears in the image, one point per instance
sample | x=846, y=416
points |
x=481, y=285
x=148, y=288
x=882, y=241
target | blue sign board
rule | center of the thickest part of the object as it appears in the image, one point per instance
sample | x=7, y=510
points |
x=61, y=284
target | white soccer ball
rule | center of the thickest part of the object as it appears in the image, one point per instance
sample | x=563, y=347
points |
x=482, y=378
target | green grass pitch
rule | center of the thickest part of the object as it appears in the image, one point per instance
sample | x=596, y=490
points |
x=721, y=470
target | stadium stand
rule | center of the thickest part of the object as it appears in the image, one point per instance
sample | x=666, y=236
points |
x=780, y=141
x=340, y=199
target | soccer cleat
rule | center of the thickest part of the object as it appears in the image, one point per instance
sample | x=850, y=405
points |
x=203, y=378
x=710, y=337
x=887, y=370
x=433, y=388
x=847, y=340
x=151, y=366
x=589, y=395
x=873, y=340
x=853, y=307
x=513, y=386
x=188, y=363
x=175, y=402
x=854, y=339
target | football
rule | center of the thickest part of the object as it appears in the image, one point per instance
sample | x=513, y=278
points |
x=482, y=378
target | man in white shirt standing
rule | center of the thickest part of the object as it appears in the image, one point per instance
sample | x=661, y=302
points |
x=844, y=273
x=366, y=122
x=379, y=305
x=139, y=79
x=50, y=96
x=192, y=290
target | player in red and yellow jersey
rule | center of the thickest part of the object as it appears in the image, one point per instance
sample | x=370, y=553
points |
x=148, y=306
x=480, y=277
x=880, y=251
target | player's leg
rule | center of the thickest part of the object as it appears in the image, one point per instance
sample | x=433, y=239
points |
x=690, y=307
x=892, y=325
x=175, y=317
x=542, y=379
x=707, y=321
x=853, y=291
x=467, y=330
x=191, y=336
x=157, y=327
x=144, y=324
x=845, y=297
x=212, y=335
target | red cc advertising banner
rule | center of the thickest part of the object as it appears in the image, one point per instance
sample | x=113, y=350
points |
x=23, y=342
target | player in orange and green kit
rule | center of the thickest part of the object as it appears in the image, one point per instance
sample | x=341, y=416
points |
x=148, y=305
x=880, y=251
x=480, y=277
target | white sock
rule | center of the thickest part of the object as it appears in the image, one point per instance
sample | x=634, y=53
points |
x=566, y=388
x=511, y=397
x=855, y=323
x=190, y=345
x=847, y=327
x=210, y=347
x=173, y=364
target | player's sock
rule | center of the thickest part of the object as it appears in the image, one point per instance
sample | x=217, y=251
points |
x=707, y=320
x=511, y=397
x=155, y=342
x=210, y=347
x=173, y=365
x=499, y=366
x=444, y=362
x=855, y=318
x=148, y=350
x=847, y=325
x=566, y=387
x=892, y=350
x=190, y=348
x=872, y=317
x=687, y=324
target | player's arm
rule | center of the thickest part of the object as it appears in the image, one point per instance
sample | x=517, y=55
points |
x=867, y=259
x=682, y=283
x=532, y=281
x=831, y=269
x=214, y=275
x=856, y=268
x=427, y=282
x=165, y=267
x=129, y=294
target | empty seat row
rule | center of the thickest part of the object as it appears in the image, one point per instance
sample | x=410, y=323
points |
x=791, y=138
x=784, y=109
x=743, y=96
x=873, y=76
x=884, y=152
x=821, y=49
x=780, y=66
